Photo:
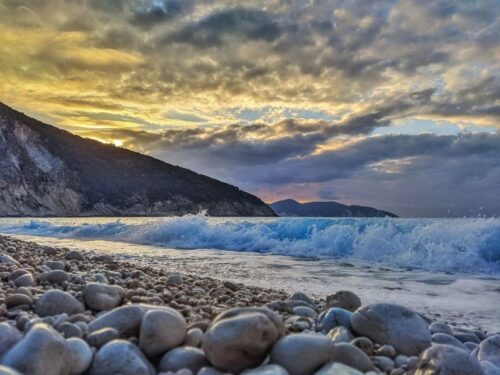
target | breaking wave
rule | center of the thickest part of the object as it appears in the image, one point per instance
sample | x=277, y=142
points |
x=454, y=245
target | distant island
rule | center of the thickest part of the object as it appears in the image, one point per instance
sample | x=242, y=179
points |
x=46, y=171
x=290, y=207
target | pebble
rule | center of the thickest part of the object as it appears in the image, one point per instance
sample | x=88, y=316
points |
x=266, y=370
x=241, y=338
x=120, y=357
x=102, y=337
x=55, y=302
x=100, y=297
x=489, y=368
x=352, y=356
x=365, y=344
x=125, y=319
x=300, y=296
x=161, y=330
x=340, y=334
x=55, y=265
x=193, y=337
x=438, y=327
x=175, y=280
x=334, y=317
x=17, y=299
x=489, y=350
x=58, y=277
x=9, y=336
x=443, y=338
x=447, y=360
x=344, y=299
x=395, y=325
x=305, y=311
x=25, y=280
x=79, y=356
x=183, y=357
x=302, y=353
x=336, y=368
x=74, y=255
x=7, y=259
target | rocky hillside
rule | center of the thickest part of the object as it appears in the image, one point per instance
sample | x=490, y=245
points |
x=290, y=207
x=45, y=171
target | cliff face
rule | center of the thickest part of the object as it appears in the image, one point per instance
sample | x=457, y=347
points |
x=290, y=207
x=45, y=171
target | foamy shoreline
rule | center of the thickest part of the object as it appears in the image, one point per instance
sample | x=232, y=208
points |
x=55, y=294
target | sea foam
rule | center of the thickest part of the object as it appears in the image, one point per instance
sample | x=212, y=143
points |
x=454, y=245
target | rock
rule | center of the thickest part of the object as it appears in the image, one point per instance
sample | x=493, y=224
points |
x=400, y=360
x=9, y=336
x=8, y=371
x=442, y=338
x=386, y=351
x=74, y=255
x=56, y=277
x=55, y=302
x=183, y=357
x=365, y=344
x=345, y=300
x=304, y=311
x=385, y=364
x=161, y=330
x=489, y=350
x=120, y=357
x=102, y=337
x=125, y=319
x=438, y=327
x=447, y=360
x=299, y=296
x=79, y=356
x=488, y=368
x=241, y=338
x=7, y=259
x=395, y=325
x=302, y=353
x=266, y=370
x=334, y=317
x=100, y=297
x=18, y=299
x=193, y=337
x=336, y=368
x=70, y=330
x=41, y=351
x=340, y=334
x=467, y=337
x=25, y=280
x=55, y=265
x=352, y=356
x=175, y=280
x=471, y=346
x=230, y=285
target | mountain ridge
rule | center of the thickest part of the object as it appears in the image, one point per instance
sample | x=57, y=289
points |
x=290, y=207
x=47, y=171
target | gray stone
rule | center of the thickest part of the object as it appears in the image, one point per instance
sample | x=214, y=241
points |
x=18, y=299
x=489, y=368
x=74, y=255
x=55, y=265
x=100, y=297
x=344, y=299
x=25, y=280
x=302, y=353
x=70, y=330
x=266, y=370
x=7, y=259
x=467, y=337
x=125, y=319
x=120, y=357
x=41, y=351
x=336, y=368
x=365, y=344
x=305, y=311
x=489, y=350
x=56, y=277
x=334, y=317
x=241, y=338
x=447, y=360
x=183, y=357
x=175, y=280
x=102, y=337
x=352, y=356
x=442, y=338
x=79, y=356
x=193, y=337
x=385, y=364
x=9, y=336
x=438, y=327
x=340, y=334
x=386, y=351
x=395, y=325
x=161, y=330
x=55, y=302
x=299, y=296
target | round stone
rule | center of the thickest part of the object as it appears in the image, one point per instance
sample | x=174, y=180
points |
x=9, y=336
x=266, y=370
x=334, y=317
x=443, y=338
x=18, y=299
x=100, y=297
x=299, y=296
x=489, y=350
x=340, y=334
x=55, y=265
x=161, y=330
x=336, y=368
x=365, y=344
x=438, y=327
x=183, y=357
x=344, y=299
x=302, y=353
x=352, y=356
x=125, y=319
x=120, y=357
x=446, y=359
x=56, y=277
x=394, y=325
x=193, y=337
x=74, y=255
x=304, y=311
x=102, y=337
x=25, y=280
x=241, y=338
x=79, y=356
x=55, y=302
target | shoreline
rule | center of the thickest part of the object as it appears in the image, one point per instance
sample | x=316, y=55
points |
x=214, y=317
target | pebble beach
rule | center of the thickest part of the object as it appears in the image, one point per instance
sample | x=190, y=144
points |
x=69, y=312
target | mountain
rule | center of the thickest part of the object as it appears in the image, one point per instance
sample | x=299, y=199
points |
x=290, y=207
x=46, y=171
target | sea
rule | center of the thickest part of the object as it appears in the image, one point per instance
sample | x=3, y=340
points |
x=448, y=269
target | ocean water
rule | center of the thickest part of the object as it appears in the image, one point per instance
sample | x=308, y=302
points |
x=447, y=268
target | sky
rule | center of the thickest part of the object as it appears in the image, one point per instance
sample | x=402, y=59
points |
x=392, y=104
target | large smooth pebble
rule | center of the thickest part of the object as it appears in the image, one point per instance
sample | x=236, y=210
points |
x=79, y=357
x=183, y=357
x=447, y=360
x=55, y=302
x=125, y=319
x=352, y=356
x=443, y=338
x=334, y=317
x=9, y=336
x=394, y=325
x=120, y=357
x=489, y=350
x=344, y=299
x=336, y=368
x=101, y=297
x=241, y=338
x=302, y=353
x=266, y=370
x=161, y=330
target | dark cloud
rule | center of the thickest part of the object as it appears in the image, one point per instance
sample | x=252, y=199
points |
x=159, y=11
